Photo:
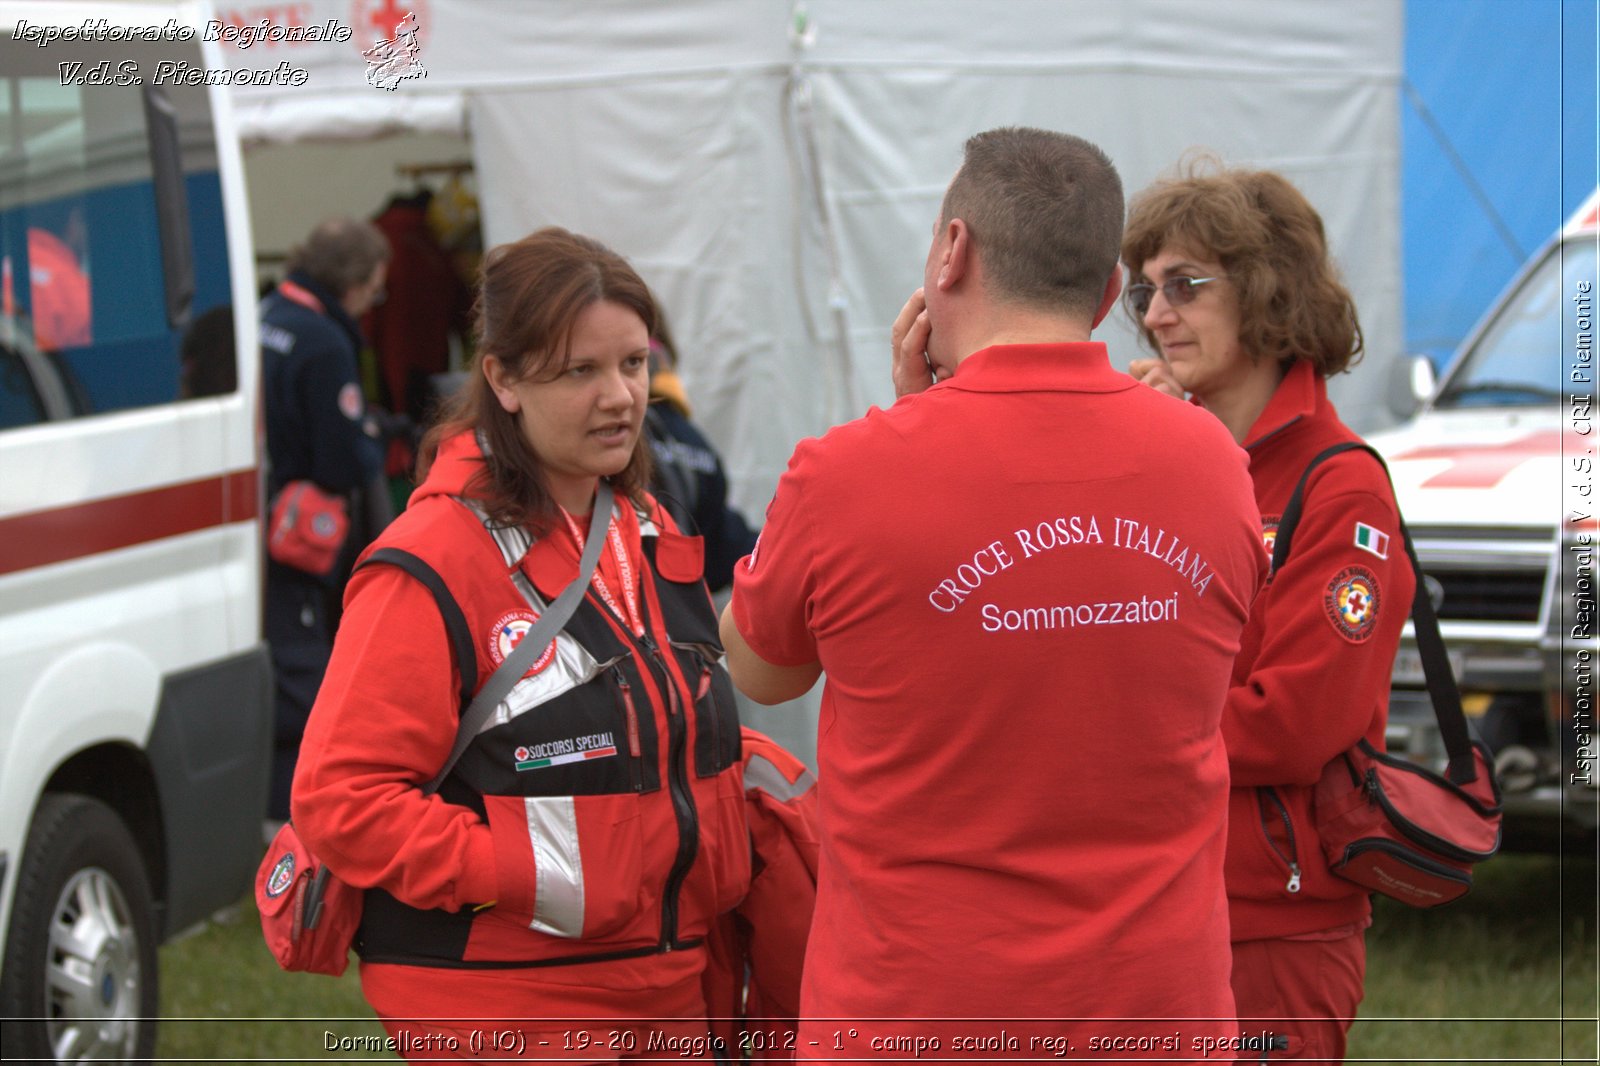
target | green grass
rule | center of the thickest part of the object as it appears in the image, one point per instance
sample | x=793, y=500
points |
x=1498, y=969
x=224, y=998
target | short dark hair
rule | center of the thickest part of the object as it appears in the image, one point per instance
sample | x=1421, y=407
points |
x=208, y=362
x=1045, y=214
x=340, y=253
x=1271, y=244
x=530, y=293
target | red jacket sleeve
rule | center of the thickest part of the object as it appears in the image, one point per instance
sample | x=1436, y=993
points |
x=384, y=722
x=1325, y=631
x=774, y=585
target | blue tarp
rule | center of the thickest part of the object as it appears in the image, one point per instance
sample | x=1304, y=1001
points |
x=1498, y=124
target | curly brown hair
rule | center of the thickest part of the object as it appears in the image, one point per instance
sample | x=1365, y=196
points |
x=1271, y=244
x=530, y=293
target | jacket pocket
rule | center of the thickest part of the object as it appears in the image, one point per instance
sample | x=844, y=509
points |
x=567, y=866
x=723, y=863
x=1282, y=842
x=717, y=744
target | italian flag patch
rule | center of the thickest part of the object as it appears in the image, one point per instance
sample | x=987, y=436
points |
x=1372, y=540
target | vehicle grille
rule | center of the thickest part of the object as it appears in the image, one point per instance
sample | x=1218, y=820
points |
x=1488, y=596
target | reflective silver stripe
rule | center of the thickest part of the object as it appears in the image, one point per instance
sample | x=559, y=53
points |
x=513, y=542
x=572, y=666
x=557, y=864
x=762, y=773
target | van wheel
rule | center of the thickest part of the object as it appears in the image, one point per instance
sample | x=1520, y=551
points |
x=80, y=965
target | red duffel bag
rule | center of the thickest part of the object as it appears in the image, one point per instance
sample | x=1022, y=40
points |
x=1389, y=824
x=1400, y=829
x=309, y=917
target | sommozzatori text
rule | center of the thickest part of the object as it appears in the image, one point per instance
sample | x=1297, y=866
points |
x=1052, y=534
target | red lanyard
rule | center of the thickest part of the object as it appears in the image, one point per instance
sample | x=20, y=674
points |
x=629, y=610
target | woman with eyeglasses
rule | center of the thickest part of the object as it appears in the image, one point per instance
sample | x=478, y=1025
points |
x=1233, y=288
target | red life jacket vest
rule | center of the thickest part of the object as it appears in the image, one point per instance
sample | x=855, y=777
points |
x=611, y=772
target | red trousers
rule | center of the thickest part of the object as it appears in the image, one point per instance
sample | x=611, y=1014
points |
x=1305, y=991
x=599, y=1012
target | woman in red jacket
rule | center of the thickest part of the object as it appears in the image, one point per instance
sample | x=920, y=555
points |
x=1232, y=286
x=573, y=861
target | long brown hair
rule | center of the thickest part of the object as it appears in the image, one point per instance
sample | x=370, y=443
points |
x=1270, y=242
x=530, y=293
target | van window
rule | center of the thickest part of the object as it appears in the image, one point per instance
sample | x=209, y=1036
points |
x=112, y=246
x=20, y=403
x=1518, y=359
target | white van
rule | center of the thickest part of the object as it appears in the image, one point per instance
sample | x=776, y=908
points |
x=135, y=689
x=1481, y=474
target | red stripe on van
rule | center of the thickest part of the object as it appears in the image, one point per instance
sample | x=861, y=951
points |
x=64, y=533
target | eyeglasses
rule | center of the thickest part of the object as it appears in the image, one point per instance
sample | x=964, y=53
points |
x=1178, y=290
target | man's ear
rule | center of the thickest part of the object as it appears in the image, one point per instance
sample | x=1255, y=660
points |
x=1113, y=290
x=500, y=382
x=957, y=252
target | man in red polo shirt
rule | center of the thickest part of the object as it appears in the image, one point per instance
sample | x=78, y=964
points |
x=1025, y=582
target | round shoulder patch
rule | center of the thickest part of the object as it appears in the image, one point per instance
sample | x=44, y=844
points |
x=350, y=403
x=1269, y=532
x=1351, y=602
x=282, y=876
x=508, y=632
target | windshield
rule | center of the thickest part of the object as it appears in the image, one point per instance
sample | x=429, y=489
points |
x=1518, y=360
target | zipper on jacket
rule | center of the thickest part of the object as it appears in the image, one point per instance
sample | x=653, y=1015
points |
x=711, y=716
x=710, y=723
x=677, y=774
x=631, y=715
x=682, y=798
x=1292, y=860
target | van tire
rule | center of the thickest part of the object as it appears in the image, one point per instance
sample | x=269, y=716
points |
x=80, y=868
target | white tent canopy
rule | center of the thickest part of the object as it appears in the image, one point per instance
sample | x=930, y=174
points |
x=774, y=169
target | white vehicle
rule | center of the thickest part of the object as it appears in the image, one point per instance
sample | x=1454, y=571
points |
x=1481, y=474
x=135, y=689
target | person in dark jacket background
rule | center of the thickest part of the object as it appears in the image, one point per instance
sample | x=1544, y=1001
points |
x=318, y=429
x=687, y=476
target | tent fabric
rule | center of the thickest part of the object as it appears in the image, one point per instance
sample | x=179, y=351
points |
x=773, y=169
x=703, y=175
x=349, y=116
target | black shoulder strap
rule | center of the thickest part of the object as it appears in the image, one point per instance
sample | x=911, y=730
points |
x=455, y=622
x=1291, y=513
x=1441, y=681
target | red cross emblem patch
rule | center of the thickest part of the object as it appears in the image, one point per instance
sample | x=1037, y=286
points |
x=1351, y=601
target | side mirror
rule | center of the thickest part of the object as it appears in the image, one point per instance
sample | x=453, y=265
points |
x=1424, y=379
x=1412, y=382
